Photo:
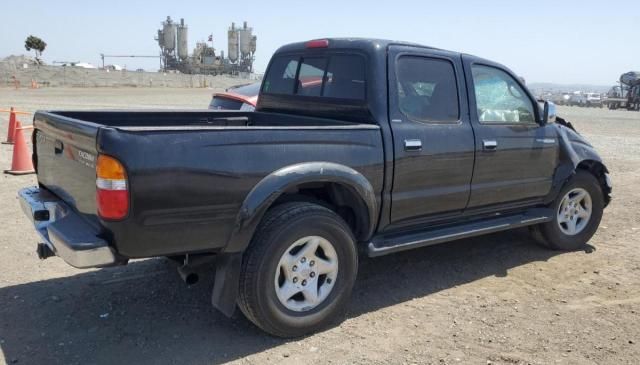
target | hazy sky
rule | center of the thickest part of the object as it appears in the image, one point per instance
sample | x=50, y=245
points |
x=544, y=41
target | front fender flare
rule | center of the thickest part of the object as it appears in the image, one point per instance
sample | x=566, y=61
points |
x=267, y=191
x=575, y=150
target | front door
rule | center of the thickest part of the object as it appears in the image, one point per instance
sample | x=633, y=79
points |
x=433, y=140
x=515, y=156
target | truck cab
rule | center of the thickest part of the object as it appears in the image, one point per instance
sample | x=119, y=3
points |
x=458, y=126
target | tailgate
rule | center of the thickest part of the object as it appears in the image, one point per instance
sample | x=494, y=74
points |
x=65, y=150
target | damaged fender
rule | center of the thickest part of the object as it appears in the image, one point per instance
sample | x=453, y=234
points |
x=577, y=153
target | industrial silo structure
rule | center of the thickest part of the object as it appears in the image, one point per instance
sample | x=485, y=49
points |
x=183, y=41
x=254, y=41
x=233, y=43
x=169, y=34
x=175, y=55
x=245, y=41
x=160, y=38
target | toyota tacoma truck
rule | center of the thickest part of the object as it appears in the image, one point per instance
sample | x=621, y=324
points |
x=356, y=145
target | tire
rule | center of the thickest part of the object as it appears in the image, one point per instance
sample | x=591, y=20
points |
x=556, y=234
x=265, y=268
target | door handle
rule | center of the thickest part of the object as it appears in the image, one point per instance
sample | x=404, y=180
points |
x=412, y=145
x=490, y=144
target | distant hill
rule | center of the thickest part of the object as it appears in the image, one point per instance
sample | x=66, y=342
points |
x=537, y=87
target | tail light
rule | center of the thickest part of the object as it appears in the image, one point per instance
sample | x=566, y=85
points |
x=112, y=190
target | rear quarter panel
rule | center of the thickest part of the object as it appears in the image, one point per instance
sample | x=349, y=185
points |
x=187, y=184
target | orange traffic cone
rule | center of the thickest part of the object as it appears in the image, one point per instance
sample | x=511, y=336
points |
x=21, y=163
x=12, y=127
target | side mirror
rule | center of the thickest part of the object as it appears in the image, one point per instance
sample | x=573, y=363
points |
x=549, y=114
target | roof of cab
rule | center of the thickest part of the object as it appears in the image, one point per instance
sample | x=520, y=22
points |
x=369, y=44
x=372, y=46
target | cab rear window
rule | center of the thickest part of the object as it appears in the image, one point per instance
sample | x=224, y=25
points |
x=332, y=76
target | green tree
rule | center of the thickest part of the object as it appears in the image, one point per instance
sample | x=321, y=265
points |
x=36, y=44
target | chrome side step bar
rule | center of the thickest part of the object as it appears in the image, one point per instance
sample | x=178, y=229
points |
x=384, y=245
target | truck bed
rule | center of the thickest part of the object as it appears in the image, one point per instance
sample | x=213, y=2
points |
x=188, y=171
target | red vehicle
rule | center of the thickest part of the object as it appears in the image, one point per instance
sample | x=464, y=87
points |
x=241, y=97
x=245, y=97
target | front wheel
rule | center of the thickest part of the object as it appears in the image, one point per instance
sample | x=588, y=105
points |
x=299, y=270
x=577, y=214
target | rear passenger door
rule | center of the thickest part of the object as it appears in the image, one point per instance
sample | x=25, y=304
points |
x=515, y=155
x=433, y=140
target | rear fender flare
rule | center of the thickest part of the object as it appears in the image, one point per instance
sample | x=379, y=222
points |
x=270, y=188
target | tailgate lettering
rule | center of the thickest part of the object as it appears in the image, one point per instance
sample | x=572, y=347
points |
x=86, y=159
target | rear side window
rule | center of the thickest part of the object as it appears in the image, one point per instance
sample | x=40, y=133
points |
x=427, y=89
x=332, y=76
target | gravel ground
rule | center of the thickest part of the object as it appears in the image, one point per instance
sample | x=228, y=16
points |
x=498, y=299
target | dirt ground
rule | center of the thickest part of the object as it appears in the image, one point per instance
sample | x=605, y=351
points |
x=498, y=299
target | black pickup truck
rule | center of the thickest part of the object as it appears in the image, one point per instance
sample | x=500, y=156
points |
x=355, y=145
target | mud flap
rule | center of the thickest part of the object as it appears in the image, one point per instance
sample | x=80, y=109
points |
x=225, y=288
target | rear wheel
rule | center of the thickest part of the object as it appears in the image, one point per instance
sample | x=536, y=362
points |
x=299, y=270
x=577, y=214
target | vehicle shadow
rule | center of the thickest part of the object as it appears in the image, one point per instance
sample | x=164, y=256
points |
x=143, y=313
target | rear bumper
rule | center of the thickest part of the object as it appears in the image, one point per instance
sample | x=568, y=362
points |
x=67, y=235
